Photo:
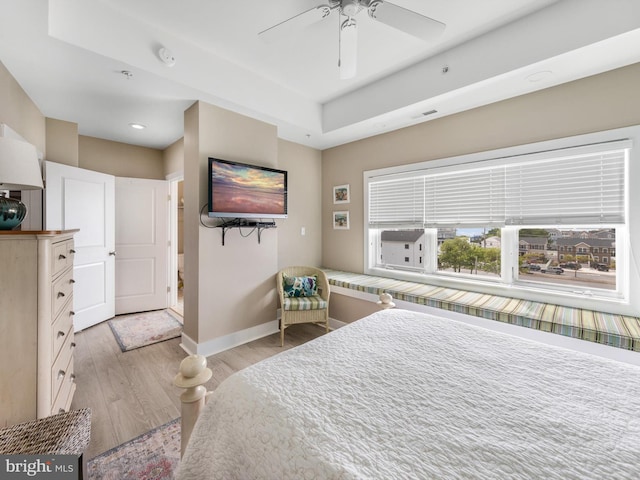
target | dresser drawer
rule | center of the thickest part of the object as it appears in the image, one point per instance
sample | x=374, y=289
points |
x=61, y=291
x=62, y=368
x=62, y=256
x=63, y=401
x=62, y=329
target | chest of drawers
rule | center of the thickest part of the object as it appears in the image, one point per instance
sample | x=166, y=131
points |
x=36, y=324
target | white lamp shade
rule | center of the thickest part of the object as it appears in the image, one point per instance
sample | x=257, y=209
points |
x=19, y=165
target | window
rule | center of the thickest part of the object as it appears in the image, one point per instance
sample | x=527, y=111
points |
x=492, y=219
x=393, y=248
x=579, y=271
x=471, y=251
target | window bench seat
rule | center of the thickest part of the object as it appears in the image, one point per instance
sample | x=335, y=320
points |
x=600, y=327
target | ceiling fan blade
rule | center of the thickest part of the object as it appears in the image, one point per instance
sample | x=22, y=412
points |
x=406, y=20
x=348, y=59
x=293, y=24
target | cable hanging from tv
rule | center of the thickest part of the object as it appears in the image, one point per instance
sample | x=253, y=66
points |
x=239, y=223
x=245, y=223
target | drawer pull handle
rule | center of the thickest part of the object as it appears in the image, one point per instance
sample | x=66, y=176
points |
x=112, y=253
x=61, y=374
x=72, y=280
x=72, y=251
x=61, y=410
x=62, y=257
x=60, y=294
x=61, y=334
x=71, y=313
x=73, y=345
x=72, y=377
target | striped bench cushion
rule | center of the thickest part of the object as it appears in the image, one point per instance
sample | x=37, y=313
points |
x=314, y=302
x=600, y=327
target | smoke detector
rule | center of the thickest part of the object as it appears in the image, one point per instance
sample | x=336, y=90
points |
x=166, y=57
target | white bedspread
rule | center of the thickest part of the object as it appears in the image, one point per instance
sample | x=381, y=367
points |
x=402, y=395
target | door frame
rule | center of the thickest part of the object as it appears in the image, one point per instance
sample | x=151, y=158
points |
x=172, y=264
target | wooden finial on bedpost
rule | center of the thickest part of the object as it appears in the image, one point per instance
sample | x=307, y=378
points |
x=192, y=377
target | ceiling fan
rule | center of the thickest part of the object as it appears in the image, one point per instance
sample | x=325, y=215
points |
x=388, y=13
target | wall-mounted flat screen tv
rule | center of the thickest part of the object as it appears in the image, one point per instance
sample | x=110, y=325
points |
x=240, y=190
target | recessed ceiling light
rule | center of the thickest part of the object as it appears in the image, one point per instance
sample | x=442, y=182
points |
x=137, y=126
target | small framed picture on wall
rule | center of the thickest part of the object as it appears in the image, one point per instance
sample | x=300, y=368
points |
x=341, y=194
x=341, y=220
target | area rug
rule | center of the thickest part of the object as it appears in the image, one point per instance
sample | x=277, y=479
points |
x=151, y=456
x=142, y=329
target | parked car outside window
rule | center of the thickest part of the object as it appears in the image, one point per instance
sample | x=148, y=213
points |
x=556, y=270
x=571, y=265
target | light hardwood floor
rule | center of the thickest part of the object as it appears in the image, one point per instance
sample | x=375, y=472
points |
x=132, y=392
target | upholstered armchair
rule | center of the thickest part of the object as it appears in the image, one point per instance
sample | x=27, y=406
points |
x=304, y=297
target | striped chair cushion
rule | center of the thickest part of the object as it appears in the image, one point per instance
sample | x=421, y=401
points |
x=314, y=302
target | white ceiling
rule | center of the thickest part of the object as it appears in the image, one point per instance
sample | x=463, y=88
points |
x=68, y=56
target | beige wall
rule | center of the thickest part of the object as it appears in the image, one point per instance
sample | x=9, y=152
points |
x=19, y=112
x=62, y=142
x=304, y=168
x=173, y=158
x=120, y=159
x=191, y=222
x=348, y=309
x=602, y=102
x=228, y=288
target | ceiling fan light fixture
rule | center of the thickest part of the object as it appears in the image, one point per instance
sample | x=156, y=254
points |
x=350, y=8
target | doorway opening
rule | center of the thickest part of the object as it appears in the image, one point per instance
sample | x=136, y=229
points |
x=176, y=250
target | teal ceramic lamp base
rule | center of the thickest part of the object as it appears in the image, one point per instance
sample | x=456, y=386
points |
x=12, y=212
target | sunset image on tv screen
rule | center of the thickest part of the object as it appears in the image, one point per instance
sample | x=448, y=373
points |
x=245, y=189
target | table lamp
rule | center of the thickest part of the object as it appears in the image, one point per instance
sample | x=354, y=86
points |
x=19, y=170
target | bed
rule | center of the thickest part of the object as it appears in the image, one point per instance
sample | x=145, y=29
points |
x=401, y=395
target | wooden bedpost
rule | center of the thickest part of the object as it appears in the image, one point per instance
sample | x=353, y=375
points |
x=192, y=377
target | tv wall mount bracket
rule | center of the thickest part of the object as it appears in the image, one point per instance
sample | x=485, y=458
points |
x=243, y=223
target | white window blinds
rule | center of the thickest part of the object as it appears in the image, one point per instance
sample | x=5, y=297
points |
x=582, y=185
x=585, y=188
x=469, y=197
x=397, y=201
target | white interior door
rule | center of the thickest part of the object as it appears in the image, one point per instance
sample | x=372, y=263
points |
x=142, y=244
x=83, y=199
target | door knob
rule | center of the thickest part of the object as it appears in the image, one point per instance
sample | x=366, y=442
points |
x=113, y=253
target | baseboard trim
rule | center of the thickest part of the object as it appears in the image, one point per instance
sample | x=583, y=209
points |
x=235, y=339
x=220, y=344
